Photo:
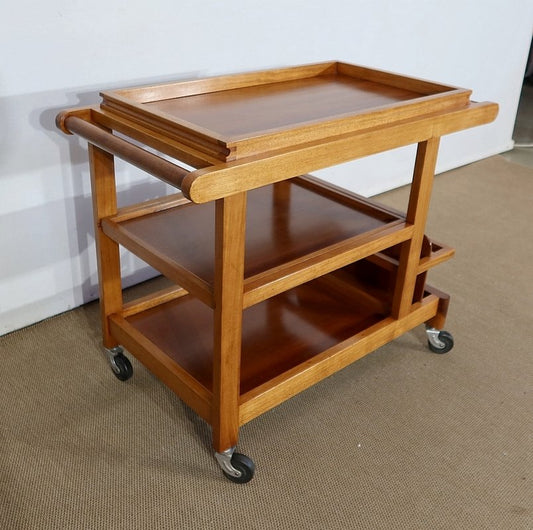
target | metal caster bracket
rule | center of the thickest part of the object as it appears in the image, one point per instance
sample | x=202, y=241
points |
x=120, y=364
x=111, y=354
x=433, y=338
x=224, y=461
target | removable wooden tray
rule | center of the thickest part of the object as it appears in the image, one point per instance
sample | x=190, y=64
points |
x=235, y=116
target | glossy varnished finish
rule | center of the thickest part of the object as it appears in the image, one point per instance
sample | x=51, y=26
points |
x=104, y=195
x=417, y=211
x=279, y=106
x=278, y=334
x=282, y=280
x=227, y=327
x=279, y=228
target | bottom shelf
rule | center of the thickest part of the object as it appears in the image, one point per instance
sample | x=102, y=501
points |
x=290, y=341
x=278, y=334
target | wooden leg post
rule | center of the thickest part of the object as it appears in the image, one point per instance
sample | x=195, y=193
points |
x=426, y=158
x=230, y=221
x=105, y=203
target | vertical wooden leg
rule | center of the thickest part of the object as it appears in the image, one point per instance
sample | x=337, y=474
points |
x=230, y=223
x=426, y=158
x=439, y=320
x=104, y=196
x=281, y=203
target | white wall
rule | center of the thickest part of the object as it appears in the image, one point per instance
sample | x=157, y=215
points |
x=60, y=53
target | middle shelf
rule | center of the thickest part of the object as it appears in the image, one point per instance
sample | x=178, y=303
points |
x=296, y=231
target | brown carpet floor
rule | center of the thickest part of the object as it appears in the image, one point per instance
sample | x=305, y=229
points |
x=401, y=439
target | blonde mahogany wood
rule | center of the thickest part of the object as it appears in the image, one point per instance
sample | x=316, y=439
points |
x=221, y=180
x=278, y=334
x=142, y=209
x=442, y=254
x=281, y=107
x=227, y=329
x=310, y=330
x=171, y=90
x=281, y=281
x=419, y=198
x=278, y=279
x=156, y=256
x=289, y=238
x=286, y=385
x=152, y=300
x=104, y=198
x=302, y=102
x=438, y=321
x=166, y=171
x=161, y=364
x=347, y=197
x=180, y=149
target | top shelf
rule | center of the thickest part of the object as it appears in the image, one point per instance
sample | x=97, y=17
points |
x=235, y=116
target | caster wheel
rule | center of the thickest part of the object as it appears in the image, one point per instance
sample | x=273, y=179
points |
x=443, y=343
x=244, y=465
x=121, y=367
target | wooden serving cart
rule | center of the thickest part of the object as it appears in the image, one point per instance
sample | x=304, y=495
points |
x=281, y=279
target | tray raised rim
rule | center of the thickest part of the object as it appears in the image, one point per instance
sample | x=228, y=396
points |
x=131, y=103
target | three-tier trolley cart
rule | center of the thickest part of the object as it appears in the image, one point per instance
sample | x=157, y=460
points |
x=279, y=279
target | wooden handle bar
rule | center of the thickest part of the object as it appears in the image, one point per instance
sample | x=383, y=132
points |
x=153, y=164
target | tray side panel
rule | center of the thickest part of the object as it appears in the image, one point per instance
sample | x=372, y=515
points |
x=164, y=91
x=421, y=86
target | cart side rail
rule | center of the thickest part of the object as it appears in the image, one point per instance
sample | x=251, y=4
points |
x=220, y=180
